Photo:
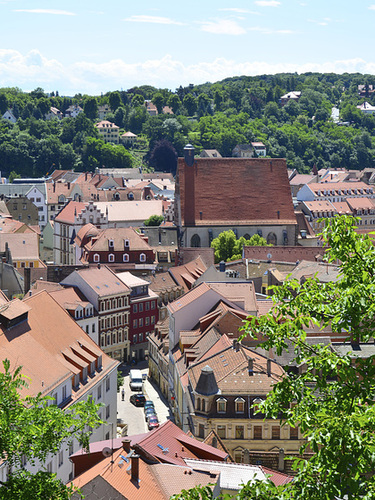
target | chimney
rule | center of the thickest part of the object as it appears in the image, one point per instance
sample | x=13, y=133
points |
x=126, y=445
x=251, y=366
x=135, y=467
x=236, y=345
x=269, y=367
x=222, y=266
x=189, y=155
x=54, y=187
x=278, y=214
x=68, y=185
x=27, y=279
x=281, y=459
x=85, y=176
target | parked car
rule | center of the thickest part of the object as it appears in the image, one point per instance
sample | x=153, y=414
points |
x=148, y=404
x=149, y=412
x=153, y=423
x=138, y=399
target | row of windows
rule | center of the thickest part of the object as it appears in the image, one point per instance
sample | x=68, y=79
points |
x=221, y=405
x=89, y=311
x=108, y=304
x=125, y=257
x=112, y=338
x=113, y=322
x=239, y=432
x=138, y=323
x=138, y=338
x=139, y=307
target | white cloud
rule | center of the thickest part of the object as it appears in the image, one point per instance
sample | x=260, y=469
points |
x=152, y=19
x=46, y=11
x=372, y=7
x=267, y=3
x=32, y=70
x=269, y=31
x=222, y=27
x=240, y=11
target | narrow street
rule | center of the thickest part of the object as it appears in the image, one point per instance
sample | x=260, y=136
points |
x=132, y=415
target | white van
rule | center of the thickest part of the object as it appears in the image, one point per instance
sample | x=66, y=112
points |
x=135, y=380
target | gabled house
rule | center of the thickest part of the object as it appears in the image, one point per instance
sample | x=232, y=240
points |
x=290, y=96
x=110, y=298
x=103, y=111
x=114, y=246
x=9, y=116
x=60, y=361
x=73, y=111
x=108, y=131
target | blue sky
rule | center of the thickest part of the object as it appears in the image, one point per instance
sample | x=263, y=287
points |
x=93, y=47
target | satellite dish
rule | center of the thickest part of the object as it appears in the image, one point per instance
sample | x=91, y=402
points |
x=269, y=256
x=106, y=452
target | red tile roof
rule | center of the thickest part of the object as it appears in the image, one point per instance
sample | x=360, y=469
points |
x=169, y=444
x=226, y=191
x=67, y=214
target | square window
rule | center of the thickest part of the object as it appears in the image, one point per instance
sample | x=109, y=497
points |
x=221, y=431
x=240, y=432
x=293, y=433
x=275, y=432
x=258, y=431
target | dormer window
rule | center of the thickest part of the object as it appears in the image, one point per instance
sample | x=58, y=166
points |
x=142, y=257
x=125, y=257
x=126, y=243
x=96, y=257
x=111, y=257
x=239, y=405
x=111, y=243
x=221, y=405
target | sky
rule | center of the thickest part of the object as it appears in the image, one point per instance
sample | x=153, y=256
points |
x=93, y=47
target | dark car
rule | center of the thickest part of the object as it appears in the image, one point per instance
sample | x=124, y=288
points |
x=153, y=423
x=138, y=399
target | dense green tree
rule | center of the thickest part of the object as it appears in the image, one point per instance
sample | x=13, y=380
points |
x=164, y=157
x=174, y=103
x=90, y=108
x=13, y=175
x=227, y=247
x=158, y=101
x=138, y=100
x=3, y=103
x=190, y=104
x=114, y=100
x=154, y=220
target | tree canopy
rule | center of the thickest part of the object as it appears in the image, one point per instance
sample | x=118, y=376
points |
x=154, y=220
x=228, y=247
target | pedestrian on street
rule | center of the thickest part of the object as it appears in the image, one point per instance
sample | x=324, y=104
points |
x=123, y=394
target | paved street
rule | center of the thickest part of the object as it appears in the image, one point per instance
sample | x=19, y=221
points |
x=134, y=416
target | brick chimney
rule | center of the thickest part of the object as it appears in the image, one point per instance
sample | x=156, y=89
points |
x=126, y=445
x=135, y=467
